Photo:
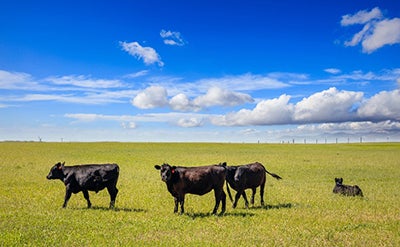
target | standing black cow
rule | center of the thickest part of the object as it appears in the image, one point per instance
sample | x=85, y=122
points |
x=194, y=180
x=248, y=176
x=87, y=178
x=347, y=190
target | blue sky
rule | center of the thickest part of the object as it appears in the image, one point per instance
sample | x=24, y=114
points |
x=201, y=71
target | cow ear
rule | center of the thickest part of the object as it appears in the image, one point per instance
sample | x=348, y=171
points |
x=173, y=169
x=157, y=167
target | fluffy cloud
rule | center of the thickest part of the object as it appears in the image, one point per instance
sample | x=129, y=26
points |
x=360, y=127
x=216, y=96
x=181, y=102
x=172, y=38
x=156, y=96
x=266, y=112
x=386, y=32
x=148, y=54
x=382, y=106
x=329, y=105
x=190, y=122
x=377, y=31
x=361, y=17
x=151, y=97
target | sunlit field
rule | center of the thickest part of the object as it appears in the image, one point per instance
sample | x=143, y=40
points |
x=300, y=209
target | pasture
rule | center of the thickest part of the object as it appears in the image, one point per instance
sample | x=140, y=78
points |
x=300, y=209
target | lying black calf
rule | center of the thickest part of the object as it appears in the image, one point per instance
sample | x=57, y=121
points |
x=347, y=190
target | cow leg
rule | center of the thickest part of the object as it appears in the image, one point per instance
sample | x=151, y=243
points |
x=217, y=195
x=68, y=194
x=176, y=205
x=220, y=196
x=253, y=195
x=246, y=202
x=86, y=195
x=262, y=193
x=113, y=191
x=182, y=201
x=237, y=196
x=223, y=198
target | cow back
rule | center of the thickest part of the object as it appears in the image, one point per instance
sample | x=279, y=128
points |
x=253, y=175
x=200, y=180
x=91, y=177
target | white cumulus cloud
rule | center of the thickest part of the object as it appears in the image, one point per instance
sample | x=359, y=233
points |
x=157, y=96
x=266, y=112
x=386, y=32
x=382, y=106
x=361, y=17
x=151, y=97
x=376, y=32
x=148, y=54
x=329, y=105
x=181, y=102
x=222, y=97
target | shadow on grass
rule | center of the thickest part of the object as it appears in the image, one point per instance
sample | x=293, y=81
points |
x=116, y=209
x=206, y=215
x=278, y=206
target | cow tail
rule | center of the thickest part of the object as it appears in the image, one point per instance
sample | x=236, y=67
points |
x=273, y=174
x=229, y=191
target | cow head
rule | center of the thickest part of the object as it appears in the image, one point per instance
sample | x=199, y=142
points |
x=339, y=181
x=56, y=172
x=166, y=171
x=231, y=170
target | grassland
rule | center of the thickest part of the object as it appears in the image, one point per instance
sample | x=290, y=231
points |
x=300, y=210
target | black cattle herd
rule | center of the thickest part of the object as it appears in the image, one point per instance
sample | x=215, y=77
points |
x=180, y=181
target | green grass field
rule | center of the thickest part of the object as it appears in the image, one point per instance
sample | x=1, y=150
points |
x=300, y=210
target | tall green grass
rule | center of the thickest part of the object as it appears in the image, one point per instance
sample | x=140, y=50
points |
x=300, y=210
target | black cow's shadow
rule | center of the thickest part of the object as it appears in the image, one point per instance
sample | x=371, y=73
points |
x=277, y=206
x=116, y=209
x=206, y=215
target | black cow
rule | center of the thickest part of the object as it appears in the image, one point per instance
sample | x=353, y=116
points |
x=244, y=177
x=347, y=190
x=87, y=178
x=194, y=180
